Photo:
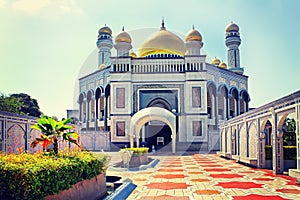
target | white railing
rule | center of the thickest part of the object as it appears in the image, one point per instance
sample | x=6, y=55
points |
x=156, y=65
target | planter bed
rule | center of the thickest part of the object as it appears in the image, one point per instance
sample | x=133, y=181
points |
x=40, y=175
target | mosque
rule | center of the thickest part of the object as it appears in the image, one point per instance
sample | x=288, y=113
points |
x=166, y=94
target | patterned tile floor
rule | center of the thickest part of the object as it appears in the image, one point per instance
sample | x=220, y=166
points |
x=205, y=176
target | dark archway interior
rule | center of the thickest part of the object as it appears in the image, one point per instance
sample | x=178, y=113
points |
x=154, y=130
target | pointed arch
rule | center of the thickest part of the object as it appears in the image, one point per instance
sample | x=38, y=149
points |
x=211, y=99
x=15, y=138
x=223, y=102
x=233, y=102
x=244, y=101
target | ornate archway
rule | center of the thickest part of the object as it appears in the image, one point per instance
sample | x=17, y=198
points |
x=145, y=115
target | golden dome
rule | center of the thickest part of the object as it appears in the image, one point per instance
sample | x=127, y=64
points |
x=132, y=54
x=223, y=65
x=105, y=29
x=232, y=27
x=162, y=42
x=216, y=61
x=193, y=35
x=102, y=66
x=123, y=37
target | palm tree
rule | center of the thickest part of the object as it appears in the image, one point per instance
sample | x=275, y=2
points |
x=51, y=130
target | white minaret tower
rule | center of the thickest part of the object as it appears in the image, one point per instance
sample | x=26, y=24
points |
x=123, y=44
x=193, y=43
x=233, y=41
x=104, y=44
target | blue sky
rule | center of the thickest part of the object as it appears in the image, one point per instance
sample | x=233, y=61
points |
x=43, y=44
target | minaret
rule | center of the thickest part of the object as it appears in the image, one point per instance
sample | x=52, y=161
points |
x=233, y=41
x=123, y=44
x=193, y=42
x=104, y=44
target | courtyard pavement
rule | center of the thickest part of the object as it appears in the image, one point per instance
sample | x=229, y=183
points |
x=204, y=176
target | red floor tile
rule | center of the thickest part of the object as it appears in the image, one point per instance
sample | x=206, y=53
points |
x=258, y=197
x=291, y=191
x=170, y=170
x=216, y=169
x=226, y=176
x=200, y=180
x=207, y=192
x=167, y=185
x=263, y=179
x=240, y=185
x=169, y=176
x=195, y=172
x=165, y=197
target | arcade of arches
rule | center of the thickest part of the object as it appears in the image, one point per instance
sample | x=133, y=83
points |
x=261, y=136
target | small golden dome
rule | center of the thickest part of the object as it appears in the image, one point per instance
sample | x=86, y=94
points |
x=232, y=27
x=162, y=42
x=223, y=65
x=123, y=37
x=216, y=61
x=193, y=35
x=102, y=66
x=132, y=54
x=105, y=29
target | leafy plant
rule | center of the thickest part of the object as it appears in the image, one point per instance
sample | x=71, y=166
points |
x=34, y=176
x=138, y=150
x=52, y=130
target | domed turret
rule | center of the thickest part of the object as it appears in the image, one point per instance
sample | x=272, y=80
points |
x=233, y=41
x=123, y=37
x=232, y=27
x=104, y=44
x=105, y=29
x=216, y=61
x=223, y=65
x=193, y=35
x=162, y=42
x=193, y=42
x=123, y=43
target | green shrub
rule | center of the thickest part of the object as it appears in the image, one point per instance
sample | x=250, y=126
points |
x=34, y=176
x=138, y=150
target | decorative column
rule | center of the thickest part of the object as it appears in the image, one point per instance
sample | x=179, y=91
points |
x=277, y=149
x=96, y=110
x=105, y=113
x=247, y=137
x=298, y=135
x=238, y=142
x=238, y=111
x=227, y=107
x=260, y=154
x=232, y=141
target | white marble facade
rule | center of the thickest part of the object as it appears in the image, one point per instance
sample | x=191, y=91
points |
x=168, y=73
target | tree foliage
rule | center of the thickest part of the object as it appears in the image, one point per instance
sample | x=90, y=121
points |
x=10, y=104
x=20, y=104
x=30, y=107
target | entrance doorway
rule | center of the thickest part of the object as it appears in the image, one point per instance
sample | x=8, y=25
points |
x=157, y=134
x=149, y=117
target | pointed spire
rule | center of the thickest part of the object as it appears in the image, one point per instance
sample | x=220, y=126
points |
x=193, y=27
x=162, y=24
x=123, y=28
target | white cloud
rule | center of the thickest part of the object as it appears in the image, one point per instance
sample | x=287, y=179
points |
x=30, y=6
x=46, y=8
x=2, y=4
